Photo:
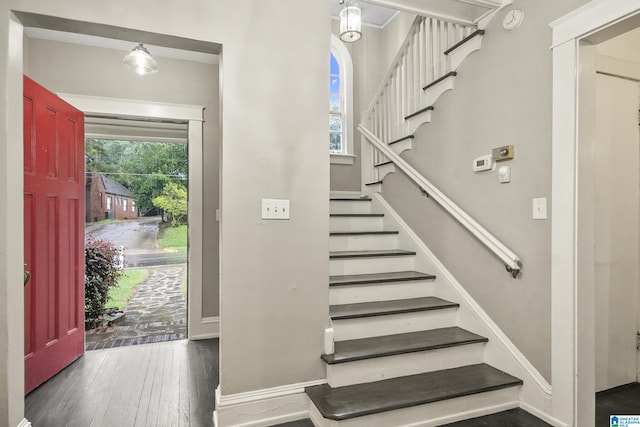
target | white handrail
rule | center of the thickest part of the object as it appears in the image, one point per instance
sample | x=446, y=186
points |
x=511, y=260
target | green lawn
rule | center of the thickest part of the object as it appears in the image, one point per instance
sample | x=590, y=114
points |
x=173, y=238
x=120, y=294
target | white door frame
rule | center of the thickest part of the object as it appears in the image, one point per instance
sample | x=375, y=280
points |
x=198, y=327
x=572, y=311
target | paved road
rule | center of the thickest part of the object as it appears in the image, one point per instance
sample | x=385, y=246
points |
x=139, y=238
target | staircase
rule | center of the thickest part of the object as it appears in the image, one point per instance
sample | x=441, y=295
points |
x=400, y=359
x=424, y=68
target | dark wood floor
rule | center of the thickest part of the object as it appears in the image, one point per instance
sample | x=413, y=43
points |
x=173, y=384
x=163, y=384
x=619, y=401
x=512, y=418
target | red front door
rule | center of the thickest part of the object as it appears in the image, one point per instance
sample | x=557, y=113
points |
x=53, y=233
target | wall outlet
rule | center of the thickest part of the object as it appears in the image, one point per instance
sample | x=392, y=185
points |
x=275, y=209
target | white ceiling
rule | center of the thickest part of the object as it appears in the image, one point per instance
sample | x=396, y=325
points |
x=372, y=14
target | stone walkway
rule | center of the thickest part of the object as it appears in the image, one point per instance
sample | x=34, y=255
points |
x=157, y=312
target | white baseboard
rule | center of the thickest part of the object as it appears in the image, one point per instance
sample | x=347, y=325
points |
x=24, y=423
x=263, y=408
x=542, y=415
x=209, y=328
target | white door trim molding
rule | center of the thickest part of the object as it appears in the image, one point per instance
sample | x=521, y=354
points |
x=198, y=327
x=572, y=324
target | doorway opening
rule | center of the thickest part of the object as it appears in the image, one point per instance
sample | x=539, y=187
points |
x=583, y=232
x=616, y=225
x=136, y=209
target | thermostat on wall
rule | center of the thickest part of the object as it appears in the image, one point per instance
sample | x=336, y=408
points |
x=483, y=163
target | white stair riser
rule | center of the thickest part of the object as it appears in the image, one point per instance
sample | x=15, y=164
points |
x=363, y=242
x=431, y=414
x=350, y=294
x=370, y=265
x=375, y=326
x=350, y=206
x=355, y=223
x=380, y=368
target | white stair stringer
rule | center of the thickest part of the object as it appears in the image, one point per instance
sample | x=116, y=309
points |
x=535, y=393
x=433, y=92
x=417, y=120
x=404, y=145
x=430, y=414
x=385, y=169
x=457, y=56
x=380, y=368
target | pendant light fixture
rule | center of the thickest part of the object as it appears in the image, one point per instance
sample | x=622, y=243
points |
x=350, y=22
x=140, y=61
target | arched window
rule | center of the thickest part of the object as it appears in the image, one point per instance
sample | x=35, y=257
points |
x=340, y=103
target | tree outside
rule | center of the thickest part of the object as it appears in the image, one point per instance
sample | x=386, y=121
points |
x=145, y=168
x=173, y=201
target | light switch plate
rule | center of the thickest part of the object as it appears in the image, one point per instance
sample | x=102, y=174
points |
x=275, y=209
x=540, y=208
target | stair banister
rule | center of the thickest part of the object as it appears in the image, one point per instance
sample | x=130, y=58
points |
x=420, y=60
x=510, y=259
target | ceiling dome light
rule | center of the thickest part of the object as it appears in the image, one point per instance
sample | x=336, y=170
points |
x=350, y=23
x=140, y=61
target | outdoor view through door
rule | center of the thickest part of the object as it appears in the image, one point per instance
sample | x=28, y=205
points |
x=136, y=212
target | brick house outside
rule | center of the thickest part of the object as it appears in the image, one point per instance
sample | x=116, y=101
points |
x=108, y=199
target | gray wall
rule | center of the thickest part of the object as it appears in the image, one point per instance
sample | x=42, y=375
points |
x=71, y=68
x=502, y=96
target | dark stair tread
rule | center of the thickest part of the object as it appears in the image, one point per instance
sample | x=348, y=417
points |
x=389, y=345
x=356, y=215
x=361, y=233
x=382, y=308
x=429, y=108
x=371, y=398
x=388, y=162
x=401, y=139
x=439, y=79
x=350, y=199
x=513, y=418
x=370, y=253
x=361, y=279
x=463, y=41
